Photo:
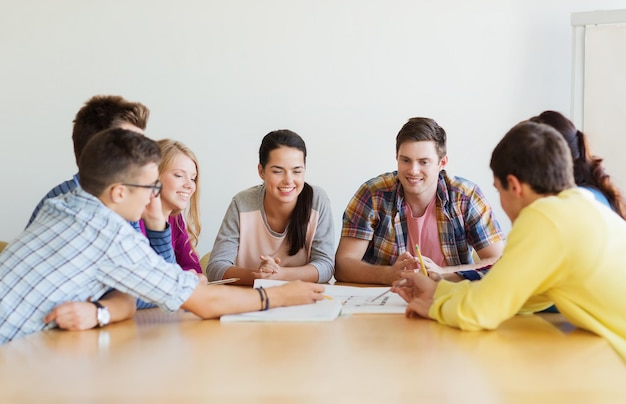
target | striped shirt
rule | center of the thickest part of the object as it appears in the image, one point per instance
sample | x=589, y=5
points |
x=78, y=249
x=465, y=220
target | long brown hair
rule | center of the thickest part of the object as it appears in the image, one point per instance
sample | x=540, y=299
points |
x=588, y=169
x=296, y=230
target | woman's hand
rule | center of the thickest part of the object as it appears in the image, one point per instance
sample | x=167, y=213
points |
x=295, y=293
x=269, y=268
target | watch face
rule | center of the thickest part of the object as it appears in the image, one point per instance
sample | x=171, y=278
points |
x=103, y=316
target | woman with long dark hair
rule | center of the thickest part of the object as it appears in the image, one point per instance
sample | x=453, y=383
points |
x=281, y=229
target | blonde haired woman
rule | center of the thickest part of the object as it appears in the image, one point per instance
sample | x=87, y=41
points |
x=180, y=195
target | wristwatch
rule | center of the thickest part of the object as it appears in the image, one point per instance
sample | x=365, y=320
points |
x=102, y=314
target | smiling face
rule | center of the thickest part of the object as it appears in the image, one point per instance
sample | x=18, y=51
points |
x=179, y=183
x=418, y=168
x=283, y=175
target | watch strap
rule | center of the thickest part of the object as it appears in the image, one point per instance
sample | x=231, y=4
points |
x=102, y=314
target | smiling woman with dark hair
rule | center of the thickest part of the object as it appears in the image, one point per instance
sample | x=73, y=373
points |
x=281, y=229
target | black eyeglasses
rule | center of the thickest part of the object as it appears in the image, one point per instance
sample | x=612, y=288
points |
x=156, y=187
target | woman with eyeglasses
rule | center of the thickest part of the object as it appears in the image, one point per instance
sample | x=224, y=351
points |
x=178, y=176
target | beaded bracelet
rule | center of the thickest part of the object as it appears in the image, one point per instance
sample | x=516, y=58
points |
x=261, y=295
x=267, y=299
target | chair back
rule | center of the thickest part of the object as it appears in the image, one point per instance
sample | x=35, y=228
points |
x=204, y=261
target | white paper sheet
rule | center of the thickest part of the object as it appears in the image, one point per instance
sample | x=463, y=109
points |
x=356, y=299
x=324, y=310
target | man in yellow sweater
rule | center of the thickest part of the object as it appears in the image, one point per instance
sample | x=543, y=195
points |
x=564, y=248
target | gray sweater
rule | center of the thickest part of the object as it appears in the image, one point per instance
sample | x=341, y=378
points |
x=246, y=212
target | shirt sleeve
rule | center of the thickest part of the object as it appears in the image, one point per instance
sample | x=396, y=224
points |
x=226, y=244
x=160, y=241
x=133, y=268
x=359, y=218
x=515, y=283
x=323, y=245
x=186, y=257
x=474, y=274
x=481, y=224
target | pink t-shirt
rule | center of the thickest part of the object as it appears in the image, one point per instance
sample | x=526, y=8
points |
x=424, y=232
x=257, y=239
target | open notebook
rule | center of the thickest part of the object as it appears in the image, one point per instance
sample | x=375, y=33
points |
x=324, y=310
x=345, y=299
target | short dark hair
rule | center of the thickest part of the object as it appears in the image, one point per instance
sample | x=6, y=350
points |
x=103, y=112
x=420, y=130
x=114, y=156
x=296, y=230
x=537, y=155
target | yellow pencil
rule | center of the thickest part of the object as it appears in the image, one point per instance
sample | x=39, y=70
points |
x=419, y=255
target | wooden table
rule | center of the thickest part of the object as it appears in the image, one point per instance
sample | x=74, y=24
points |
x=161, y=357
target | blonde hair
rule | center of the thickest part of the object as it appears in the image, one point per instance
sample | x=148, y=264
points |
x=169, y=149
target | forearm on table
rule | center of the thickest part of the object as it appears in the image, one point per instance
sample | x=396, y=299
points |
x=480, y=264
x=213, y=301
x=356, y=271
x=121, y=306
x=307, y=273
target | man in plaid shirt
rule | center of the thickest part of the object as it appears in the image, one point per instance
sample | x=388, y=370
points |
x=418, y=207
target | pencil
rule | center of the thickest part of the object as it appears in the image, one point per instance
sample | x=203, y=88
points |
x=402, y=282
x=223, y=281
x=419, y=255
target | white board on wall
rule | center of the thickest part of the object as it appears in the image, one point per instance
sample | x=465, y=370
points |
x=599, y=88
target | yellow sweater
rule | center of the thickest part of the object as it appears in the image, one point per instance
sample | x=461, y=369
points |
x=568, y=250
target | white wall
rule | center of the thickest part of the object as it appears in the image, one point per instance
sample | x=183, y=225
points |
x=219, y=75
x=605, y=87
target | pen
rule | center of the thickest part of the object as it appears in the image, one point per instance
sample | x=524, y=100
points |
x=419, y=255
x=402, y=282
x=223, y=281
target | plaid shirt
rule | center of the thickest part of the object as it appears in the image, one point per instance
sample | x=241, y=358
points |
x=77, y=249
x=160, y=241
x=464, y=219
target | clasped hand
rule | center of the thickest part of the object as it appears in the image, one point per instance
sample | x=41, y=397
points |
x=268, y=268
